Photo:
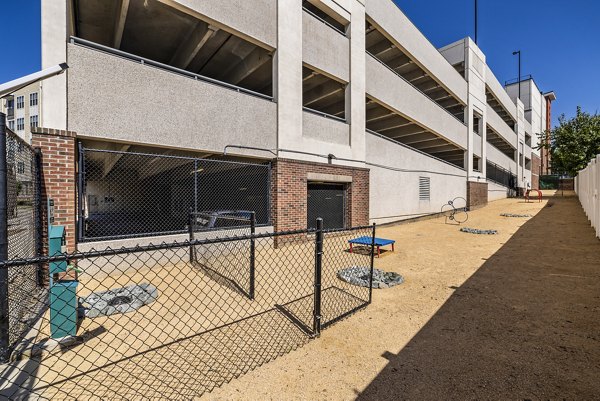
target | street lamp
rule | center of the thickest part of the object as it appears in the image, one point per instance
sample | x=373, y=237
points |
x=476, y=22
x=519, y=77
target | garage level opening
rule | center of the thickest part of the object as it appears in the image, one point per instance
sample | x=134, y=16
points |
x=135, y=193
x=327, y=201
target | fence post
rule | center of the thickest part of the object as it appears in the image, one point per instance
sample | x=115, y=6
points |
x=252, y=252
x=318, y=270
x=80, y=192
x=191, y=218
x=372, y=263
x=4, y=317
x=42, y=276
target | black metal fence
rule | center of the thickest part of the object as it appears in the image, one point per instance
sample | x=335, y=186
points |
x=152, y=322
x=129, y=194
x=22, y=289
x=502, y=176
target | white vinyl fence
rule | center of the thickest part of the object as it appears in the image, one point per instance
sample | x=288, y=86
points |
x=587, y=186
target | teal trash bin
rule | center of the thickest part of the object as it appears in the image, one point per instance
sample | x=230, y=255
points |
x=56, y=241
x=63, y=308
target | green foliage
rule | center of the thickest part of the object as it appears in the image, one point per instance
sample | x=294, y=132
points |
x=574, y=142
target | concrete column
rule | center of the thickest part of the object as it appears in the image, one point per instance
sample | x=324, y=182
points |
x=288, y=84
x=356, y=112
x=53, y=91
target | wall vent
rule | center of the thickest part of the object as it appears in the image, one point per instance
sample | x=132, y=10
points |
x=424, y=188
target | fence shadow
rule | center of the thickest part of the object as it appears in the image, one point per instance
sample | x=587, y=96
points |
x=524, y=326
x=181, y=369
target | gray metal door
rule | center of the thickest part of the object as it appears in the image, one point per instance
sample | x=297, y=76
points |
x=327, y=201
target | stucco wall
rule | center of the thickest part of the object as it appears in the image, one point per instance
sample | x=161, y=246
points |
x=496, y=191
x=394, y=195
x=325, y=129
x=253, y=19
x=392, y=90
x=114, y=98
x=325, y=48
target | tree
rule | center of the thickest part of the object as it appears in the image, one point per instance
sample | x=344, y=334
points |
x=574, y=142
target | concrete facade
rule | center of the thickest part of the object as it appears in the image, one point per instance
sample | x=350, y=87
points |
x=346, y=88
x=23, y=110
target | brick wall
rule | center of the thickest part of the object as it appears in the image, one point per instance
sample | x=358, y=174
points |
x=477, y=194
x=289, y=193
x=536, y=164
x=58, y=178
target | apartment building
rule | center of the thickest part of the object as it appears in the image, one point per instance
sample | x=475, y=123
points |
x=23, y=110
x=356, y=115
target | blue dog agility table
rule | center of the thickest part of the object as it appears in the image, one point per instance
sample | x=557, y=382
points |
x=379, y=242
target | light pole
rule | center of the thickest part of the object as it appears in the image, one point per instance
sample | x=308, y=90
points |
x=476, y=22
x=519, y=77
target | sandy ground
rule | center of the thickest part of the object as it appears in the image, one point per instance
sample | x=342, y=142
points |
x=510, y=316
x=506, y=316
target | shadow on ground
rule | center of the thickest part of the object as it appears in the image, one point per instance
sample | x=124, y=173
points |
x=524, y=326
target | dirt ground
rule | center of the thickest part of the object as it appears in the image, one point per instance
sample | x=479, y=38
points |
x=507, y=316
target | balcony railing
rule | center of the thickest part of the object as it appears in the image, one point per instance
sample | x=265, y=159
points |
x=166, y=67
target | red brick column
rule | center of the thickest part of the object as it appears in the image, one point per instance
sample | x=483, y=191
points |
x=477, y=194
x=289, y=190
x=536, y=163
x=58, y=149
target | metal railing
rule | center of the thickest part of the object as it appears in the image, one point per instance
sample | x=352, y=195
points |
x=320, y=113
x=417, y=89
x=343, y=33
x=166, y=67
x=501, y=176
x=162, y=321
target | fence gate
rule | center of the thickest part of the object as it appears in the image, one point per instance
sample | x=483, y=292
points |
x=21, y=290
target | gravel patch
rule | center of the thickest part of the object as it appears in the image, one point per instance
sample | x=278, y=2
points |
x=360, y=275
x=478, y=231
x=118, y=300
x=514, y=215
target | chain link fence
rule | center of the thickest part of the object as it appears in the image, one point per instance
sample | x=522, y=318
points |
x=24, y=287
x=129, y=194
x=177, y=320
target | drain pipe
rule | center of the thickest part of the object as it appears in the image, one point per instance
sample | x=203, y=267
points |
x=331, y=156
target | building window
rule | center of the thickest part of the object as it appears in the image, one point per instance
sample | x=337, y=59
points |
x=33, y=121
x=20, y=102
x=11, y=125
x=10, y=103
x=20, y=124
x=21, y=167
x=33, y=99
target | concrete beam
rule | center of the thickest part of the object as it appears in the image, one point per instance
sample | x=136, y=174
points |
x=120, y=17
x=320, y=92
x=387, y=125
x=189, y=48
x=247, y=66
x=110, y=162
x=378, y=113
x=405, y=131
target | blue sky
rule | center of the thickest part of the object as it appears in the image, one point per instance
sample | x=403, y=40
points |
x=559, y=40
